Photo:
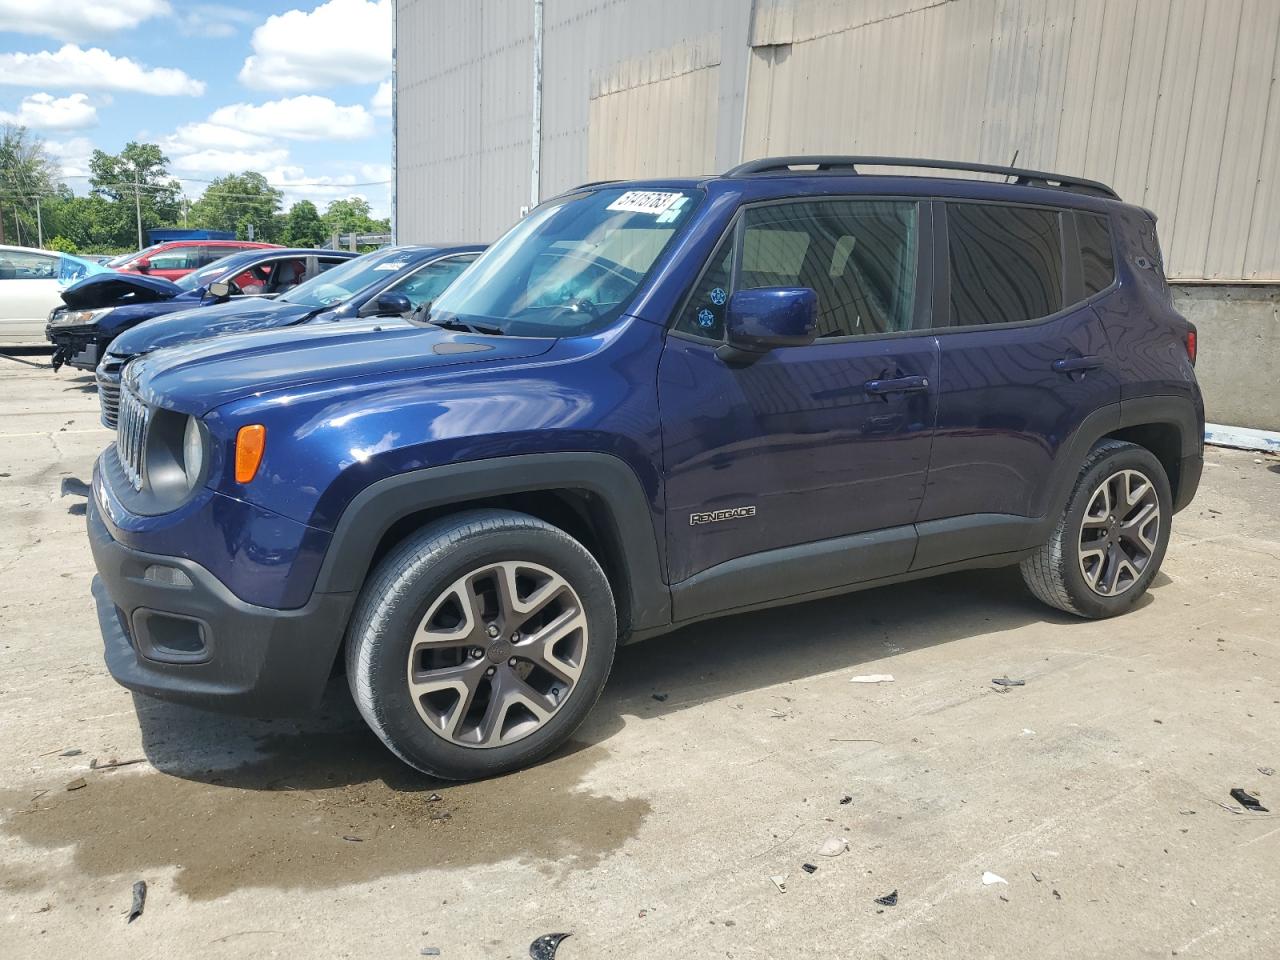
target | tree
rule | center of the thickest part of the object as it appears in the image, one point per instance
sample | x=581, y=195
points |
x=26, y=172
x=137, y=184
x=352, y=215
x=303, y=226
x=238, y=200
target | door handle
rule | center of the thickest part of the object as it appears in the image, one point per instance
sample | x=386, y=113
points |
x=1071, y=364
x=897, y=385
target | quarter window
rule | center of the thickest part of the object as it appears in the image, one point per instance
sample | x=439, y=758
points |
x=1006, y=263
x=1097, y=262
x=703, y=315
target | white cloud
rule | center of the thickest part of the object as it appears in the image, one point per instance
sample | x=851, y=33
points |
x=297, y=185
x=305, y=117
x=77, y=19
x=216, y=162
x=44, y=111
x=381, y=102
x=191, y=137
x=342, y=41
x=93, y=69
x=212, y=20
x=72, y=155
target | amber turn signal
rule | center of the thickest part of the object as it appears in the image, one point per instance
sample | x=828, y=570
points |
x=251, y=441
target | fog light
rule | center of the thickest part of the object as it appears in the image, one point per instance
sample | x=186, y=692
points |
x=169, y=576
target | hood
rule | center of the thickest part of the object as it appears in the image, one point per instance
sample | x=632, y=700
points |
x=200, y=376
x=116, y=289
x=200, y=323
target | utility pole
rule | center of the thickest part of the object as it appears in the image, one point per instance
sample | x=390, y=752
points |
x=137, y=204
x=39, y=225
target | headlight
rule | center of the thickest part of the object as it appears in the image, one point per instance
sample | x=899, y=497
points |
x=78, y=318
x=192, y=452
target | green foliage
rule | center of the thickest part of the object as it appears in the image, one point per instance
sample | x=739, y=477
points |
x=303, y=226
x=61, y=244
x=352, y=215
x=141, y=169
x=237, y=200
x=26, y=171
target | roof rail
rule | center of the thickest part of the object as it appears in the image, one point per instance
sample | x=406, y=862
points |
x=848, y=165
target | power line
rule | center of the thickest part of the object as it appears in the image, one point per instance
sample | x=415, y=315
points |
x=282, y=186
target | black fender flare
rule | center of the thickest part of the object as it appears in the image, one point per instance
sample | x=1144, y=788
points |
x=373, y=512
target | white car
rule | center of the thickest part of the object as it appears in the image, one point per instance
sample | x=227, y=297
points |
x=31, y=284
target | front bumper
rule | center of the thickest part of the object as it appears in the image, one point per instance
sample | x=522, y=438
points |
x=76, y=346
x=173, y=631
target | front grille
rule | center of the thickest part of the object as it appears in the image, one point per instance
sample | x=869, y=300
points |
x=108, y=377
x=131, y=436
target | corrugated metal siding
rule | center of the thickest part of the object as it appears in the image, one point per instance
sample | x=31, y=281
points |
x=1173, y=102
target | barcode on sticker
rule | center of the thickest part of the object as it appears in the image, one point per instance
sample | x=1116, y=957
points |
x=644, y=201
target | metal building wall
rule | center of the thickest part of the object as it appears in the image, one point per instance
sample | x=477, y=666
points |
x=1174, y=102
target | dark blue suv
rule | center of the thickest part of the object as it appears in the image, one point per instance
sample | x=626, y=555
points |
x=646, y=405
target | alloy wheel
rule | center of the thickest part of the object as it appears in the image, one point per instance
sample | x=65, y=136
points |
x=498, y=653
x=1119, y=533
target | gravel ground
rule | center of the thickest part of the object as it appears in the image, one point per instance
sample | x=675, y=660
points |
x=1099, y=790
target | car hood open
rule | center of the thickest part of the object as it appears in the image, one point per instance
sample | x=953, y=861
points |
x=197, y=377
x=118, y=289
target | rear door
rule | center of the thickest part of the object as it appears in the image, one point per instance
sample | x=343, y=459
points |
x=1024, y=359
x=28, y=291
x=817, y=451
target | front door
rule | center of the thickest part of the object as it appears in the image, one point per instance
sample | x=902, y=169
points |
x=819, y=451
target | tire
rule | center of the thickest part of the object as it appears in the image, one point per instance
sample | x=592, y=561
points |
x=1063, y=572
x=471, y=713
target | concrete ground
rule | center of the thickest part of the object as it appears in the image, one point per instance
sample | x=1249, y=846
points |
x=1098, y=791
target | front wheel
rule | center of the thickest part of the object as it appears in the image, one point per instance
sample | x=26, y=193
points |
x=1110, y=540
x=480, y=643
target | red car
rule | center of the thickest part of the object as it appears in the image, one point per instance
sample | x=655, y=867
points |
x=174, y=259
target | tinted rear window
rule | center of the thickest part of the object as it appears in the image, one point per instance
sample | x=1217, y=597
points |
x=1097, y=262
x=1006, y=263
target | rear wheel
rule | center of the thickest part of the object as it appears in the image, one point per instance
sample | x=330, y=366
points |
x=1110, y=540
x=480, y=643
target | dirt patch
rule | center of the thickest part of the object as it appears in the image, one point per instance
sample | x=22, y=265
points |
x=321, y=811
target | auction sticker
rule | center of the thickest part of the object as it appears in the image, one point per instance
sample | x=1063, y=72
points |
x=644, y=201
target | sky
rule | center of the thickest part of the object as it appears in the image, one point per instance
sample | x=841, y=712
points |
x=299, y=91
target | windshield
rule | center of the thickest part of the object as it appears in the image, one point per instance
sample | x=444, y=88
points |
x=570, y=267
x=124, y=258
x=339, y=283
x=206, y=275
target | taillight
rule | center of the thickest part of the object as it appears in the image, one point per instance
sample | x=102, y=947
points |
x=1190, y=341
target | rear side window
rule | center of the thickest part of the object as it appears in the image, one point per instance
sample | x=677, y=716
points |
x=1006, y=263
x=1097, y=260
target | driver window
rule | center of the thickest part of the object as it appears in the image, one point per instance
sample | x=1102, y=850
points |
x=431, y=281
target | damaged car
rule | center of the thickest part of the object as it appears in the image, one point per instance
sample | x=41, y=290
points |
x=99, y=308
x=392, y=282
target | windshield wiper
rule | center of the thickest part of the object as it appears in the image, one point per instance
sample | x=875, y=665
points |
x=453, y=323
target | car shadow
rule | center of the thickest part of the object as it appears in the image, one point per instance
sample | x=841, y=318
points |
x=714, y=660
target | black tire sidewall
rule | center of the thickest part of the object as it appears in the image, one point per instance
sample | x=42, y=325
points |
x=390, y=637
x=1088, y=602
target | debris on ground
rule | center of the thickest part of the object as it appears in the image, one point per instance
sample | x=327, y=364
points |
x=1247, y=800
x=351, y=839
x=872, y=678
x=1057, y=895
x=1006, y=682
x=430, y=951
x=1265, y=771
x=74, y=485
x=989, y=878
x=846, y=799
x=888, y=900
x=545, y=947
x=79, y=783
x=808, y=868
x=661, y=697
x=139, y=900
x=73, y=752
x=113, y=763
x=1035, y=876
x=780, y=881
x=833, y=847
x=434, y=798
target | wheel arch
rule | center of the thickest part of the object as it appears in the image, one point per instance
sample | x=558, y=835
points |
x=595, y=498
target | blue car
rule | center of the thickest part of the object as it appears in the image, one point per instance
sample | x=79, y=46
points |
x=648, y=404
x=388, y=283
x=100, y=307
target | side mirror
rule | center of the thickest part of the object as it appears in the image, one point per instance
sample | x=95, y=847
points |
x=142, y=265
x=766, y=318
x=220, y=289
x=392, y=305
